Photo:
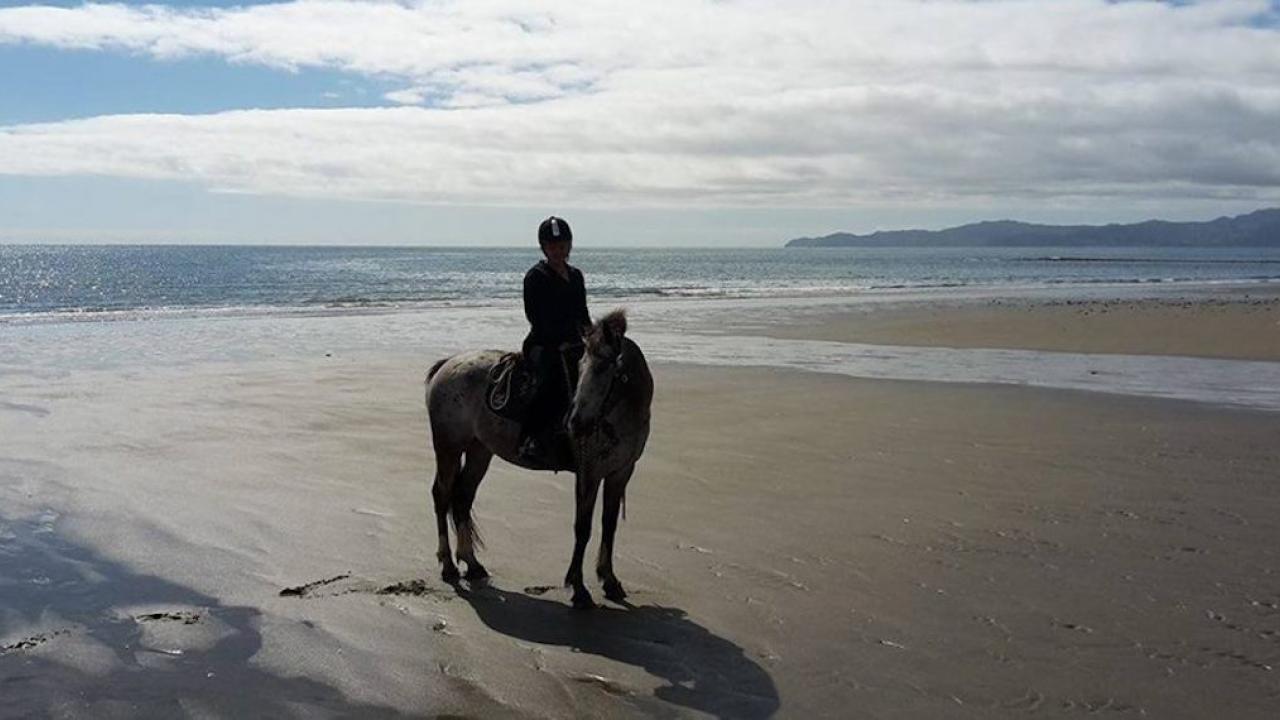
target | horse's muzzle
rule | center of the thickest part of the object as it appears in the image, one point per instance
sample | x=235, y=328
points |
x=578, y=426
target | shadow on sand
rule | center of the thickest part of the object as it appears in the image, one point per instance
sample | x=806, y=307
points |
x=703, y=671
x=75, y=598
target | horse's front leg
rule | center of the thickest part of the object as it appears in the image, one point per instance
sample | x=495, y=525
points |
x=586, y=488
x=615, y=488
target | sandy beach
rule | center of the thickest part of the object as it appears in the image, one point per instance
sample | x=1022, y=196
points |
x=255, y=539
x=1235, y=326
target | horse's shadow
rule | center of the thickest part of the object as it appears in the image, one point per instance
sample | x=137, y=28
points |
x=703, y=671
x=60, y=599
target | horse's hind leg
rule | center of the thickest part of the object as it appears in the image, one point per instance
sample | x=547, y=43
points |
x=464, y=494
x=615, y=488
x=442, y=493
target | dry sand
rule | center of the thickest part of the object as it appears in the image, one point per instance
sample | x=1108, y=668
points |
x=1236, y=327
x=797, y=545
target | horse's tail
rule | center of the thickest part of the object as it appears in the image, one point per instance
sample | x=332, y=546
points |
x=436, y=368
x=477, y=542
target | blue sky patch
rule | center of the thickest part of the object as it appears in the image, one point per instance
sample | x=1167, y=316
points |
x=42, y=84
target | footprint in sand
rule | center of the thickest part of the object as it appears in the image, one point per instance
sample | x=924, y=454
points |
x=418, y=588
x=184, y=617
x=31, y=642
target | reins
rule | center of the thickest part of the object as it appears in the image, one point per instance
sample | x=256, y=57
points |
x=611, y=401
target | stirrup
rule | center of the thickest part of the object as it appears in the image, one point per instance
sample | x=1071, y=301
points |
x=530, y=450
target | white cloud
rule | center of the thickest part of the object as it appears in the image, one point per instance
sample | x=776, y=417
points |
x=738, y=103
x=408, y=96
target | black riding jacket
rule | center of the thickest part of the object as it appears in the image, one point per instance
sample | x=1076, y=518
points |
x=556, y=308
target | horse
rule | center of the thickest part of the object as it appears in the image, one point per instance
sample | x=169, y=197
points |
x=608, y=426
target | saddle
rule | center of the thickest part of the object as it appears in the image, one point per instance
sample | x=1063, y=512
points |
x=511, y=387
x=511, y=392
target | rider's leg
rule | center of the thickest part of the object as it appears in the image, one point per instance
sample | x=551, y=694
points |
x=549, y=388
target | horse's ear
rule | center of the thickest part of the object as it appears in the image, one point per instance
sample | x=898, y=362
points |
x=615, y=324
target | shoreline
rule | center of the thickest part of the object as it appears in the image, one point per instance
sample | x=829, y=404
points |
x=944, y=295
x=1217, y=347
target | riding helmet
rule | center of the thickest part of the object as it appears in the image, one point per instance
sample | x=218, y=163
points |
x=554, y=229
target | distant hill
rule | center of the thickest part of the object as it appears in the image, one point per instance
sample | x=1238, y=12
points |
x=1256, y=229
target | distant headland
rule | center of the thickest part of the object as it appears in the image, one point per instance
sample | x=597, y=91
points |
x=1256, y=229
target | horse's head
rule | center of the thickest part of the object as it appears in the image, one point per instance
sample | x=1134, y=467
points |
x=600, y=372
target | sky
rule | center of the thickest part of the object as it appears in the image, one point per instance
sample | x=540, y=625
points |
x=667, y=122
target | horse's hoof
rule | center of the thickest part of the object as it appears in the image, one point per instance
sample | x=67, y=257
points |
x=476, y=572
x=450, y=574
x=582, y=601
x=613, y=591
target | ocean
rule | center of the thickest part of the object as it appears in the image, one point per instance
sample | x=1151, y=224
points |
x=59, y=283
x=143, y=309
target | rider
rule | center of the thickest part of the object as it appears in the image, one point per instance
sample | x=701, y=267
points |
x=555, y=303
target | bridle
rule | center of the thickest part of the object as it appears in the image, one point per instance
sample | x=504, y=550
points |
x=617, y=378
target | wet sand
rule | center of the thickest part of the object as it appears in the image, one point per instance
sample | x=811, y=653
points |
x=256, y=539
